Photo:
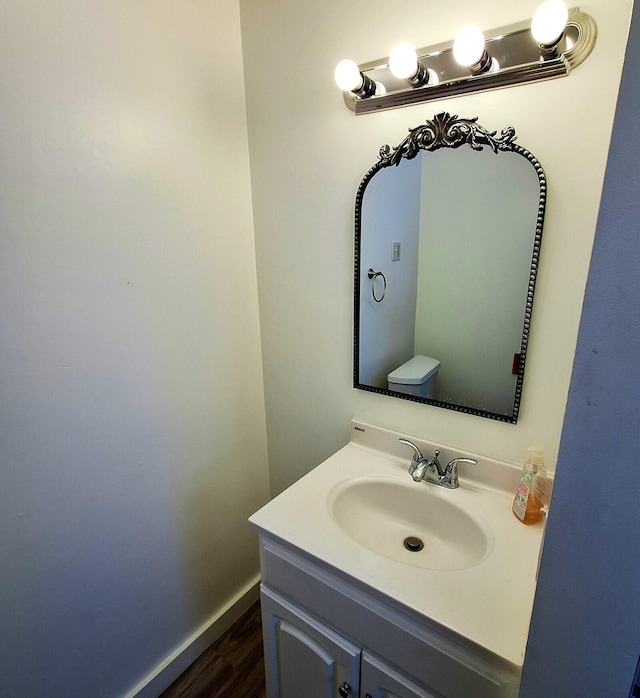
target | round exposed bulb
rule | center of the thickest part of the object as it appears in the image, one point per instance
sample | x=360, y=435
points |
x=549, y=21
x=348, y=76
x=403, y=61
x=468, y=47
x=434, y=78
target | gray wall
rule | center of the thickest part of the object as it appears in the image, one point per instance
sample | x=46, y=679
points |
x=390, y=213
x=484, y=240
x=585, y=630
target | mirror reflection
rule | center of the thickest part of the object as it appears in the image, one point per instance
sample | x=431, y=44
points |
x=448, y=229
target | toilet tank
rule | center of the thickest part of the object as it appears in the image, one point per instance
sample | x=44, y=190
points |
x=415, y=377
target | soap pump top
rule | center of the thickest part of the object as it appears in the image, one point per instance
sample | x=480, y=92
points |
x=530, y=495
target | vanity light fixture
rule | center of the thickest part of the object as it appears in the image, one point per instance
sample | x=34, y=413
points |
x=555, y=42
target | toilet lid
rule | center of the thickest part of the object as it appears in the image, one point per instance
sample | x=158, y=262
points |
x=415, y=371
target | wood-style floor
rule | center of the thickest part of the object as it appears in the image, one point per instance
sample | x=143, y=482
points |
x=233, y=667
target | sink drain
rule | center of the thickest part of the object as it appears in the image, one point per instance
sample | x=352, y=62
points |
x=413, y=544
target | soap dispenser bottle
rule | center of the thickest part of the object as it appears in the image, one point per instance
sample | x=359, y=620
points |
x=529, y=499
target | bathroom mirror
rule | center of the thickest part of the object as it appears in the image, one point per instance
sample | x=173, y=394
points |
x=448, y=227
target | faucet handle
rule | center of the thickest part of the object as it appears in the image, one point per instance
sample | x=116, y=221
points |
x=417, y=456
x=415, y=461
x=451, y=471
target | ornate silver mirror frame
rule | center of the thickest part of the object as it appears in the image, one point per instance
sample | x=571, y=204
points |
x=446, y=131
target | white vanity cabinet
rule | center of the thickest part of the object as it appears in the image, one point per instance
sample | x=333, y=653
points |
x=381, y=681
x=306, y=658
x=303, y=657
x=326, y=635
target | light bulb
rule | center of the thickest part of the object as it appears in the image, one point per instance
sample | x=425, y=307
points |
x=347, y=76
x=549, y=22
x=468, y=47
x=434, y=78
x=403, y=61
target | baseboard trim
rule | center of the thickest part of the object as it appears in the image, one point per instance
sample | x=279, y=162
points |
x=180, y=659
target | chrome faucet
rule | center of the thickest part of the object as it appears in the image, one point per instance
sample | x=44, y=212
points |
x=422, y=468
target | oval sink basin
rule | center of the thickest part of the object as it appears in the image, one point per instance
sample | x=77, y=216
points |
x=381, y=514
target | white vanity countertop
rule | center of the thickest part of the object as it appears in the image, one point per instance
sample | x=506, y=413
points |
x=489, y=603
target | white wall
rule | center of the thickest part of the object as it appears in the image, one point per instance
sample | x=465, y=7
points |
x=308, y=155
x=132, y=427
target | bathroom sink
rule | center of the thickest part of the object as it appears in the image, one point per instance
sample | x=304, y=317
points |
x=476, y=573
x=410, y=522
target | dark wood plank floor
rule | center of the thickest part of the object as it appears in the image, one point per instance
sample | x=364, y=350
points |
x=233, y=667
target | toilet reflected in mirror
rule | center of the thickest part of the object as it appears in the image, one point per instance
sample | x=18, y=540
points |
x=418, y=376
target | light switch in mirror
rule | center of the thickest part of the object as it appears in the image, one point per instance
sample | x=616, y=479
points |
x=466, y=207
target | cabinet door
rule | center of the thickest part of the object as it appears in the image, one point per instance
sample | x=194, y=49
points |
x=381, y=681
x=304, y=658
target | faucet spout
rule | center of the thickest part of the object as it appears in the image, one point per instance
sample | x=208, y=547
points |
x=436, y=463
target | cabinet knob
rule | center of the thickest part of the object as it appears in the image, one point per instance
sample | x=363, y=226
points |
x=344, y=690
